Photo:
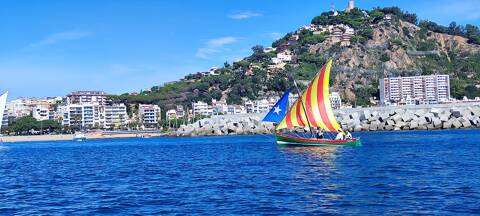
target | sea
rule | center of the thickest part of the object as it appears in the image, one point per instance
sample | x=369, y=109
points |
x=393, y=173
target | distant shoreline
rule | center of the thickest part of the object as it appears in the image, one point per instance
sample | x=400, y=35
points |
x=66, y=137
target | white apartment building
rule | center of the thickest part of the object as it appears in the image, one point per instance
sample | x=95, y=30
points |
x=83, y=115
x=41, y=113
x=259, y=106
x=335, y=100
x=431, y=89
x=116, y=116
x=149, y=114
x=89, y=97
x=201, y=108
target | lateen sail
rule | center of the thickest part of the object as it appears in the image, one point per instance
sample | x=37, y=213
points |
x=316, y=100
x=3, y=103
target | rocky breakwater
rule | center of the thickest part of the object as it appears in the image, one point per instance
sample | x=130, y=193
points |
x=242, y=124
x=422, y=117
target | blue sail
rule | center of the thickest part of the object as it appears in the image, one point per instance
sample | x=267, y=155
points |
x=278, y=111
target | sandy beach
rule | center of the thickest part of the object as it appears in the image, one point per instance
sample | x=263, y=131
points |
x=59, y=137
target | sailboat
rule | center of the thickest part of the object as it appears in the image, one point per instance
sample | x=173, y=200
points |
x=311, y=111
x=3, y=103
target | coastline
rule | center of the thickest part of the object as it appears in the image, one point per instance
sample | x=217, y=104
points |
x=66, y=137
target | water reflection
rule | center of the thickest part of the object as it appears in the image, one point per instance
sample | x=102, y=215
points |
x=316, y=169
x=319, y=152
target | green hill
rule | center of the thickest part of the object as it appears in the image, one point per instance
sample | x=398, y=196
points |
x=365, y=46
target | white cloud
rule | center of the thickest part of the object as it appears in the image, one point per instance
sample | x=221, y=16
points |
x=240, y=15
x=59, y=37
x=222, y=41
x=215, y=46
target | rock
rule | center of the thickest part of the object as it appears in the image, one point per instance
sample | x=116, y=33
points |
x=357, y=128
x=384, y=117
x=447, y=125
x=407, y=116
x=429, y=117
x=444, y=117
x=437, y=123
x=397, y=117
x=413, y=124
x=456, y=123
x=456, y=112
x=420, y=112
x=466, y=124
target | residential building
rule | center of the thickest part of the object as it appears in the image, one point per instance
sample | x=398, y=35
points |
x=171, y=114
x=41, y=113
x=116, y=116
x=83, y=115
x=149, y=115
x=91, y=97
x=431, y=89
x=180, y=112
x=219, y=107
x=201, y=108
x=5, y=120
x=335, y=100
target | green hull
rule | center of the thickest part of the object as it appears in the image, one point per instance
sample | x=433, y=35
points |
x=298, y=141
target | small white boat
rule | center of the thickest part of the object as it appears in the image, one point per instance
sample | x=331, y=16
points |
x=80, y=137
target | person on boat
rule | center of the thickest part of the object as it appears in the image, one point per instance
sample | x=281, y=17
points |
x=319, y=133
x=340, y=136
x=348, y=136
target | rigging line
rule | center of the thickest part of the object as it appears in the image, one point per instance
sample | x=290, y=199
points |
x=303, y=106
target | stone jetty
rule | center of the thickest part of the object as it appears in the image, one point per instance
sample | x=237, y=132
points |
x=412, y=117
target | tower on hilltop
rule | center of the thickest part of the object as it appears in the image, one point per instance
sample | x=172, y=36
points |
x=351, y=5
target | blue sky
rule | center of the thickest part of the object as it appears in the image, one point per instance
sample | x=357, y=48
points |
x=50, y=48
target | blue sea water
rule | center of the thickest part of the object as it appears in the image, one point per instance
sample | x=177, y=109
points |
x=395, y=173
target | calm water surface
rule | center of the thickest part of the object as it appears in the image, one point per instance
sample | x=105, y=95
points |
x=395, y=173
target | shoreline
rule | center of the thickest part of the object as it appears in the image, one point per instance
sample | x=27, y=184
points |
x=67, y=137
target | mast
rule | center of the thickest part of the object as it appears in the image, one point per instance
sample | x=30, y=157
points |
x=303, y=106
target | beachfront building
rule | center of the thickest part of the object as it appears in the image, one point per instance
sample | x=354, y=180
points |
x=84, y=116
x=431, y=89
x=41, y=113
x=87, y=97
x=201, y=108
x=149, y=115
x=5, y=120
x=115, y=116
x=335, y=100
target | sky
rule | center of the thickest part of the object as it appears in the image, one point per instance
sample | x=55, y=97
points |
x=53, y=47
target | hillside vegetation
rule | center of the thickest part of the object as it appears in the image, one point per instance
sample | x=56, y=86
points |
x=386, y=42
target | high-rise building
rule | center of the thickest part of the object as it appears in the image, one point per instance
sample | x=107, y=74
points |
x=430, y=89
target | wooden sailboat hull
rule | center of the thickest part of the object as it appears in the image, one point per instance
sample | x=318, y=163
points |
x=283, y=139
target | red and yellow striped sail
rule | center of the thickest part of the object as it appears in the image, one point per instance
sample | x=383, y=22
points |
x=316, y=100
